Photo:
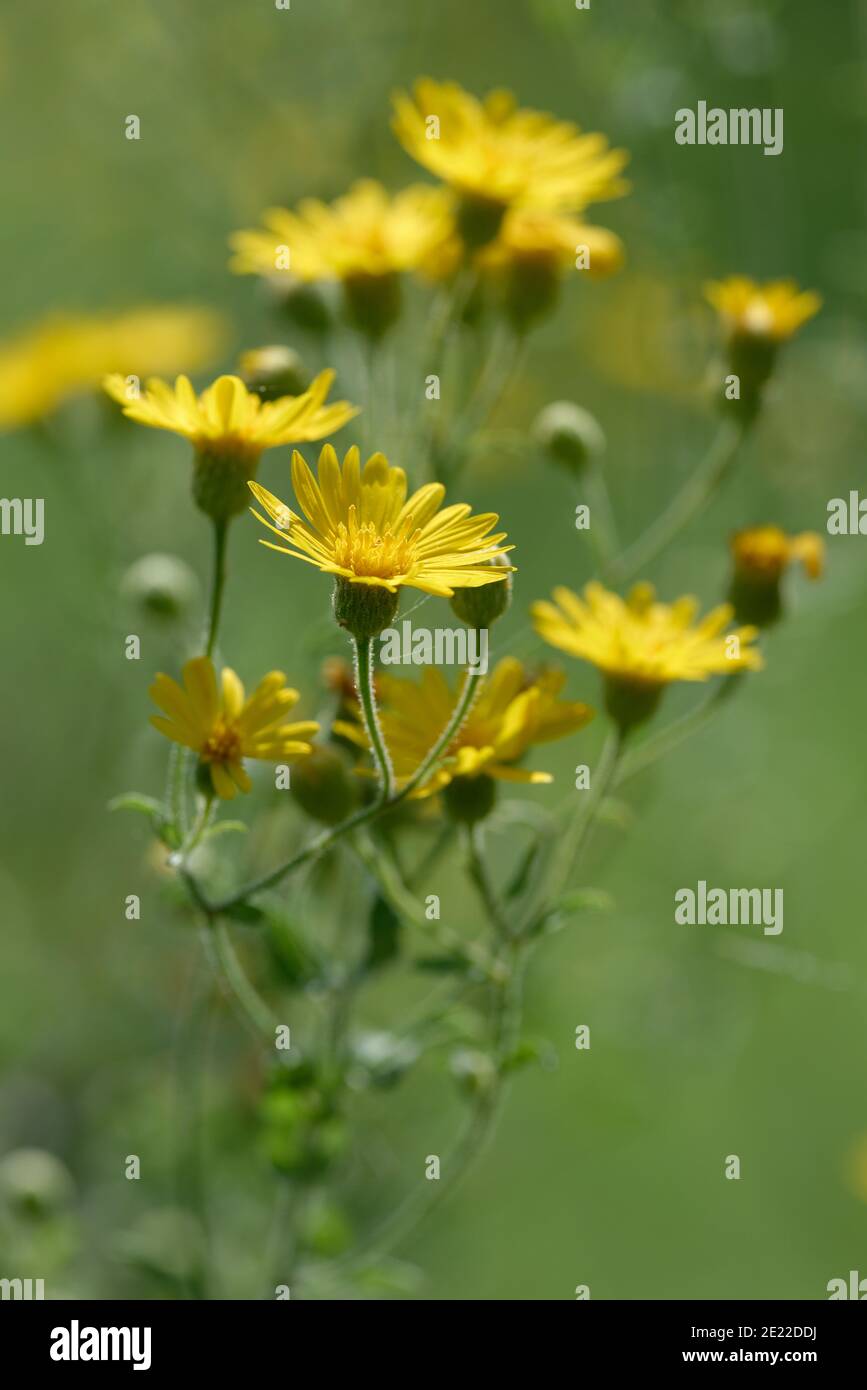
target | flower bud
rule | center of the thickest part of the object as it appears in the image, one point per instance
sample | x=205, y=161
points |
x=479, y=220
x=479, y=607
x=761, y=556
x=569, y=435
x=34, y=1182
x=470, y=799
x=323, y=786
x=274, y=371
x=163, y=586
x=308, y=305
x=373, y=303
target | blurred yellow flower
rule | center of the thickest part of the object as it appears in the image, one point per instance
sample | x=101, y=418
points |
x=361, y=527
x=531, y=234
x=641, y=642
x=763, y=553
x=773, y=311
x=367, y=232
x=227, y=418
x=495, y=153
x=223, y=726
x=66, y=354
x=513, y=711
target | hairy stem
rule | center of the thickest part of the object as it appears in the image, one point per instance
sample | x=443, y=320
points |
x=372, y=727
x=218, y=584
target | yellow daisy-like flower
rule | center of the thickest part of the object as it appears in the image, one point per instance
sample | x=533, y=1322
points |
x=513, y=711
x=772, y=312
x=532, y=234
x=230, y=427
x=763, y=553
x=67, y=354
x=224, y=726
x=641, y=645
x=360, y=526
x=492, y=153
x=367, y=232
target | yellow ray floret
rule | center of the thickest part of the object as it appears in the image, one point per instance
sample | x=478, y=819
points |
x=367, y=232
x=493, y=151
x=513, y=711
x=223, y=726
x=775, y=310
x=644, y=642
x=359, y=525
x=230, y=419
x=530, y=234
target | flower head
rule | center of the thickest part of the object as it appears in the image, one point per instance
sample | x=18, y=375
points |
x=367, y=232
x=513, y=711
x=641, y=645
x=359, y=525
x=227, y=418
x=771, y=312
x=66, y=354
x=224, y=726
x=230, y=427
x=495, y=153
x=761, y=555
x=532, y=235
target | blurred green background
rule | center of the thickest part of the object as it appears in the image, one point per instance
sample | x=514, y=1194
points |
x=608, y=1168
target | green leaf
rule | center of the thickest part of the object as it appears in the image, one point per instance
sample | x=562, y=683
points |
x=518, y=882
x=155, y=811
x=246, y=912
x=454, y=963
x=225, y=827
x=586, y=900
x=530, y=1052
x=298, y=962
x=383, y=929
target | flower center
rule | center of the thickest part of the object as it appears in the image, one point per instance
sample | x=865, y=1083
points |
x=369, y=552
x=223, y=744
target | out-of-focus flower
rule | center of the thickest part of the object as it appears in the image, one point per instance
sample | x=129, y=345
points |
x=761, y=555
x=773, y=311
x=361, y=527
x=533, y=250
x=569, y=435
x=513, y=711
x=496, y=156
x=366, y=239
x=224, y=726
x=230, y=427
x=274, y=371
x=641, y=645
x=66, y=354
x=163, y=586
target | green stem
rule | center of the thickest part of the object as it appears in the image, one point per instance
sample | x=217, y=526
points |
x=480, y=877
x=252, y=1007
x=218, y=584
x=692, y=498
x=373, y=729
x=663, y=742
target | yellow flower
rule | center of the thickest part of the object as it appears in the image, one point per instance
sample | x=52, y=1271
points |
x=66, y=354
x=494, y=153
x=512, y=712
x=367, y=232
x=641, y=645
x=761, y=556
x=227, y=418
x=361, y=527
x=773, y=312
x=230, y=427
x=531, y=234
x=763, y=553
x=224, y=727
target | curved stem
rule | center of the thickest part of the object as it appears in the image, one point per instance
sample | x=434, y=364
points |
x=373, y=729
x=251, y=1006
x=218, y=584
x=661, y=743
x=692, y=498
x=478, y=871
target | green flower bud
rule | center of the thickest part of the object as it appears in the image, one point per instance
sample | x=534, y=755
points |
x=34, y=1182
x=163, y=586
x=308, y=305
x=470, y=799
x=274, y=371
x=323, y=785
x=475, y=1072
x=373, y=303
x=482, y=606
x=363, y=609
x=569, y=435
x=529, y=289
